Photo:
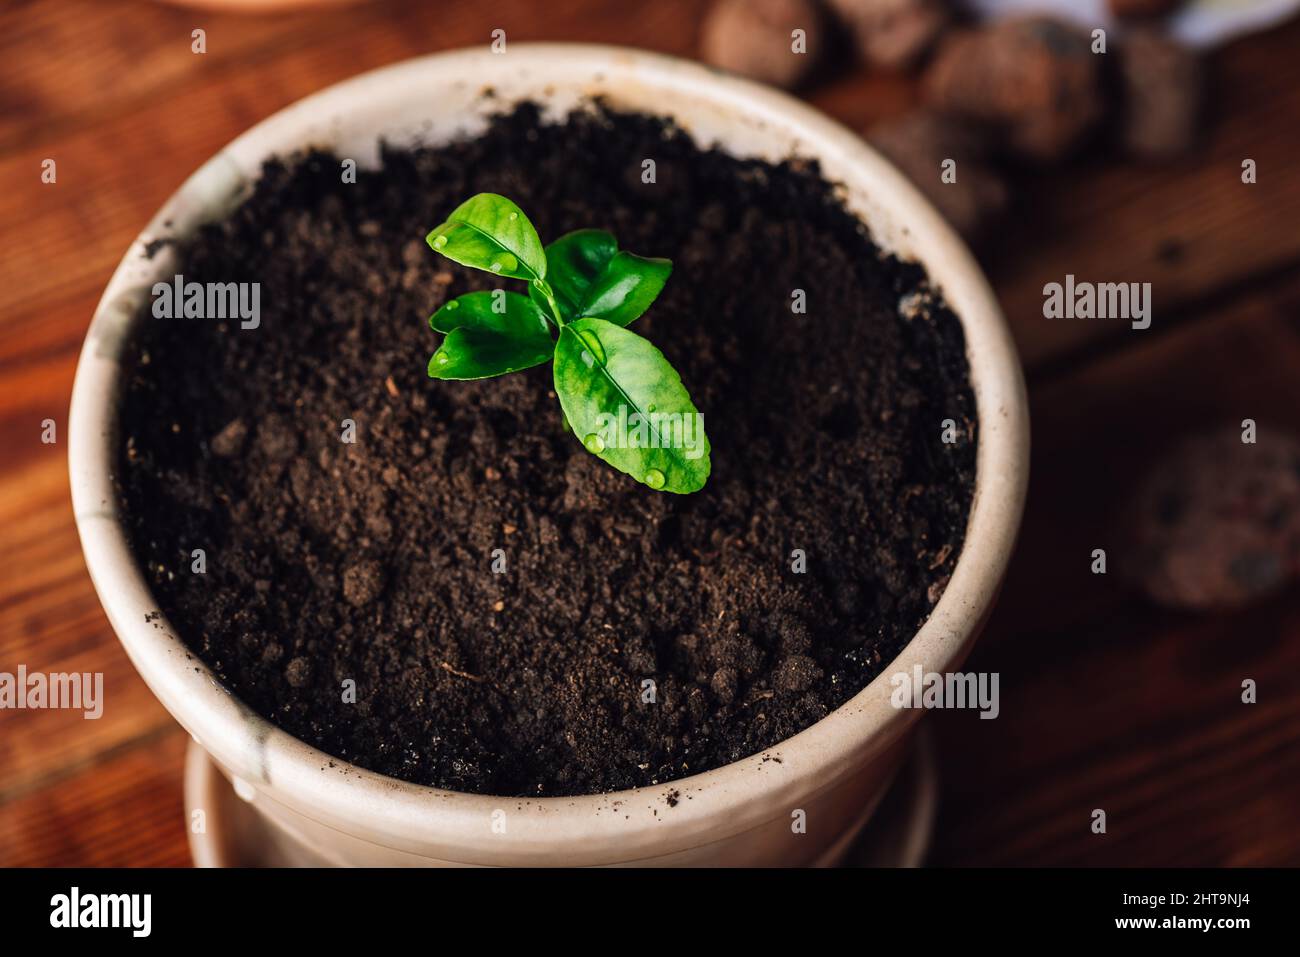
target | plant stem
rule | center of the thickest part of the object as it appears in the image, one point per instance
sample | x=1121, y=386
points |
x=545, y=287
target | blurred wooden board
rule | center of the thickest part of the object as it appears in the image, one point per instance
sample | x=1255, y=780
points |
x=125, y=810
x=1107, y=701
x=1134, y=710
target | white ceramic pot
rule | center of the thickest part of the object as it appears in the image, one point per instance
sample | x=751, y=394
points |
x=835, y=771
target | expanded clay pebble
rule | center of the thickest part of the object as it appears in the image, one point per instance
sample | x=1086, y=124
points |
x=919, y=143
x=893, y=34
x=757, y=39
x=1033, y=78
x=1163, y=92
x=1217, y=522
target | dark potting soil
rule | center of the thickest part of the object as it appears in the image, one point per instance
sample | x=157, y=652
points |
x=371, y=561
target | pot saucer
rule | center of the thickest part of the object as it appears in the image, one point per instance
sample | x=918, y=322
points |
x=225, y=830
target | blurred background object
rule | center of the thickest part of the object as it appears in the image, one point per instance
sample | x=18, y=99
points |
x=1020, y=85
x=258, y=6
x=1169, y=159
x=1216, y=523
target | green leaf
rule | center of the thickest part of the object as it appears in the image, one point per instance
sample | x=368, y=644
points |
x=477, y=354
x=629, y=284
x=627, y=405
x=509, y=313
x=574, y=261
x=489, y=334
x=592, y=278
x=490, y=232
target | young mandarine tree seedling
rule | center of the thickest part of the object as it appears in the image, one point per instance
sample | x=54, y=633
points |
x=620, y=396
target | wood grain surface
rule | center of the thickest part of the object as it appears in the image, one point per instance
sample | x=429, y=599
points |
x=1107, y=702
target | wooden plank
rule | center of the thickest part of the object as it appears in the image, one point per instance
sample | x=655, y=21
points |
x=128, y=55
x=122, y=56
x=38, y=354
x=1108, y=702
x=1095, y=432
x=125, y=811
x=51, y=621
x=1139, y=715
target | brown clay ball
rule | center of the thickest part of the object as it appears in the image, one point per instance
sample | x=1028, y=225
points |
x=1034, y=78
x=1163, y=92
x=756, y=38
x=1216, y=523
x=893, y=34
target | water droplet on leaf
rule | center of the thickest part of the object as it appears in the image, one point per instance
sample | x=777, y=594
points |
x=442, y=358
x=655, y=479
x=504, y=263
x=593, y=344
x=594, y=443
x=439, y=241
x=453, y=304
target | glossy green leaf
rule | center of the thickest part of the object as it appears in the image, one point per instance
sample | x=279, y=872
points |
x=592, y=278
x=626, y=404
x=627, y=287
x=509, y=313
x=490, y=232
x=574, y=261
x=489, y=334
x=478, y=354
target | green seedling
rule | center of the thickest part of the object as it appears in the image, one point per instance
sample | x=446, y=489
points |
x=621, y=398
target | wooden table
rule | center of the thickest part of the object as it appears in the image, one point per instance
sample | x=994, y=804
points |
x=1107, y=702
